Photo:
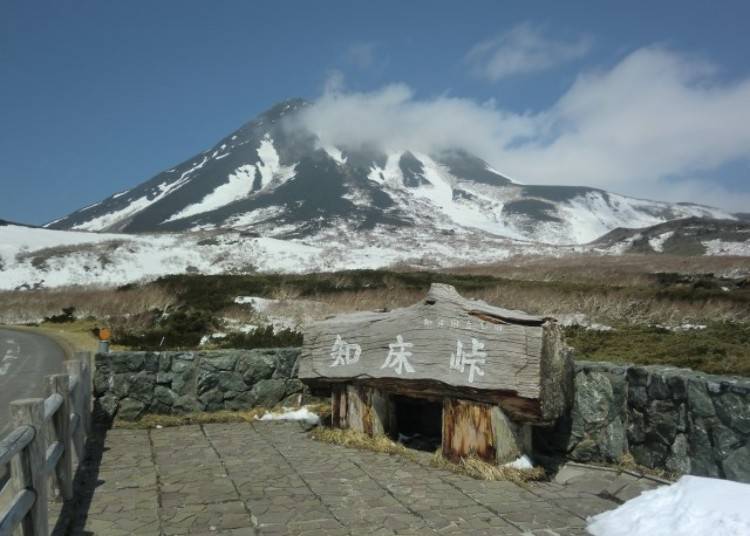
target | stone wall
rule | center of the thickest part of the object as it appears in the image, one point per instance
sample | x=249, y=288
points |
x=666, y=418
x=129, y=384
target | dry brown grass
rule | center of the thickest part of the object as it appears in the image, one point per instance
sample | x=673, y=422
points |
x=481, y=470
x=472, y=467
x=358, y=440
x=32, y=306
x=628, y=270
x=212, y=417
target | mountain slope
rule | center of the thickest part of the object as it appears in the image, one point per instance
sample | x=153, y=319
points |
x=282, y=181
x=690, y=236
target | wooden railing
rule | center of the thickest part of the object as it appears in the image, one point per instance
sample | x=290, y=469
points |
x=49, y=433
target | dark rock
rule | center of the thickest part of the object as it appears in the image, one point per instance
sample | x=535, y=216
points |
x=101, y=381
x=183, y=380
x=636, y=427
x=677, y=386
x=650, y=454
x=658, y=387
x=736, y=465
x=158, y=408
x=663, y=421
x=221, y=379
x=734, y=411
x=723, y=439
x=699, y=402
x=120, y=385
x=130, y=409
x=212, y=400
x=142, y=387
x=294, y=386
x=585, y=451
x=165, y=361
x=151, y=361
x=220, y=361
x=613, y=442
x=165, y=396
x=678, y=460
x=126, y=361
x=268, y=393
x=638, y=397
x=187, y=404
x=286, y=359
x=241, y=401
x=107, y=405
x=164, y=378
x=256, y=366
x=702, y=457
x=593, y=398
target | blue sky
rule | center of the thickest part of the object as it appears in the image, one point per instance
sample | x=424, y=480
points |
x=96, y=97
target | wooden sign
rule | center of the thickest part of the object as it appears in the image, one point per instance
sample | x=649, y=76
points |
x=446, y=345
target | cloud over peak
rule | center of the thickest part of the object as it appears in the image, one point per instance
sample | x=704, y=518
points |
x=656, y=125
x=522, y=50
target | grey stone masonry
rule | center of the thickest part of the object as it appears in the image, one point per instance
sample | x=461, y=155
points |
x=678, y=420
x=131, y=384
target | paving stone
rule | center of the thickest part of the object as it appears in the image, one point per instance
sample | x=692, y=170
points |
x=272, y=478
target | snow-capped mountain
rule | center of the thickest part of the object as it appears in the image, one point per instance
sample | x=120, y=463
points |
x=283, y=182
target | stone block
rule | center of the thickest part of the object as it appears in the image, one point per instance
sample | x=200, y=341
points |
x=187, y=404
x=268, y=393
x=164, y=396
x=130, y=409
x=734, y=411
x=256, y=366
x=212, y=400
x=736, y=465
x=142, y=386
x=226, y=360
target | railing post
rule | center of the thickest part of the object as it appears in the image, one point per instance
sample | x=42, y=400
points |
x=59, y=383
x=76, y=406
x=86, y=388
x=27, y=469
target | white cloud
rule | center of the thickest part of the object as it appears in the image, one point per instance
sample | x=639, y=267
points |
x=522, y=50
x=651, y=126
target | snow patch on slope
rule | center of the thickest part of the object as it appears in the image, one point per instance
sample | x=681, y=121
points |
x=657, y=242
x=722, y=247
x=240, y=183
x=112, y=218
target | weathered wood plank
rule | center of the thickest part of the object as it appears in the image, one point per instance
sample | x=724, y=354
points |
x=14, y=442
x=59, y=384
x=16, y=511
x=467, y=431
x=27, y=470
x=446, y=340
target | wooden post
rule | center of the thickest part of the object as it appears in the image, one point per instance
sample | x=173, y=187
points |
x=27, y=469
x=86, y=389
x=368, y=410
x=76, y=405
x=59, y=383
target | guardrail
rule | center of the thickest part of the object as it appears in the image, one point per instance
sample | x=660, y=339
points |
x=48, y=432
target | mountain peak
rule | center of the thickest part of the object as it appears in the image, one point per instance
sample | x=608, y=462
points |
x=283, y=181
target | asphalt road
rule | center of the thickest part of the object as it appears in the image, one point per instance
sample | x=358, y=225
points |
x=25, y=359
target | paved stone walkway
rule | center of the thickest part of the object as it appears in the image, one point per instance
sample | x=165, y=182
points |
x=272, y=479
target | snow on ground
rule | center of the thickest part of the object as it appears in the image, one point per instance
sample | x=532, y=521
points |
x=303, y=414
x=657, y=242
x=693, y=506
x=523, y=463
x=720, y=247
